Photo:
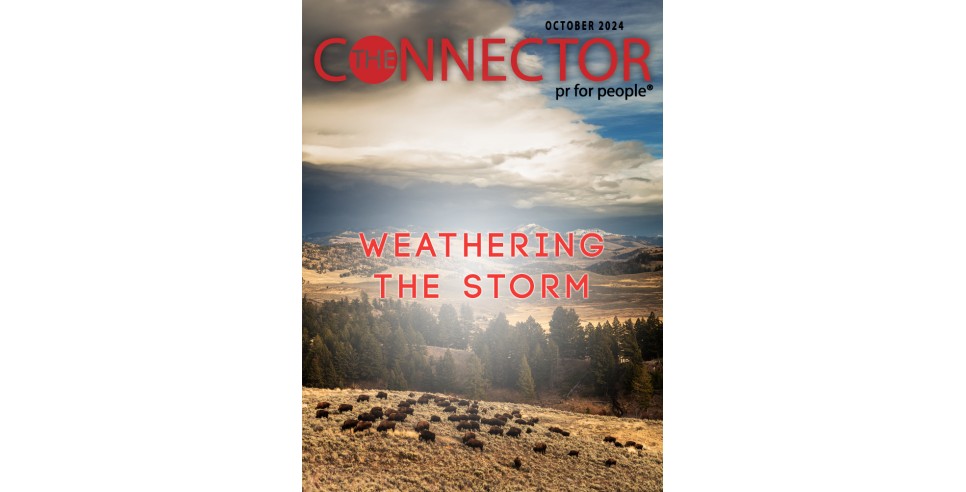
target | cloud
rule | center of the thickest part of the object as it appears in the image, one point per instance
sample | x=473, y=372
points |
x=488, y=135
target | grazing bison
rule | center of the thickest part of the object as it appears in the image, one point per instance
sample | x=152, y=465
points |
x=322, y=404
x=367, y=417
x=403, y=404
x=435, y=418
x=529, y=430
x=407, y=410
x=427, y=436
x=521, y=422
x=376, y=412
x=467, y=436
x=362, y=398
x=423, y=400
x=382, y=395
x=350, y=423
x=386, y=425
x=319, y=414
x=639, y=446
x=454, y=418
x=361, y=426
x=610, y=462
x=345, y=407
x=450, y=408
x=473, y=411
x=411, y=394
x=398, y=417
x=618, y=444
x=443, y=403
x=630, y=444
x=516, y=413
x=535, y=420
x=514, y=432
x=468, y=425
x=496, y=431
x=496, y=422
x=560, y=431
x=422, y=425
x=610, y=439
x=462, y=403
x=573, y=453
x=475, y=443
x=410, y=401
x=473, y=417
x=517, y=462
x=541, y=447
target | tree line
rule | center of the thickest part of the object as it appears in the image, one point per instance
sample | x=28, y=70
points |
x=382, y=342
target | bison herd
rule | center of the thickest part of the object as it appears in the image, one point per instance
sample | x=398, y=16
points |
x=469, y=421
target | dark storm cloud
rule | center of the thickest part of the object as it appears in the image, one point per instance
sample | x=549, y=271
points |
x=335, y=201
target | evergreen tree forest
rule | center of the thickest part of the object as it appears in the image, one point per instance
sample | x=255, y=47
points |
x=382, y=343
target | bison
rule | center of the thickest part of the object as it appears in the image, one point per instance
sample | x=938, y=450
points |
x=475, y=443
x=610, y=462
x=517, y=462
x=412, y=394
x=442, y=403
x=410, y=401
x=529, y=430
x=322, y=404
x=435, y=418
x=450, y=408
x=422, y=425
x=407, y=410
x=386, y=425
x=427, y=436
x=423, y=400
x=639, y=446
x=521, y=422
x=362, y=398
x=321, y=414
x=630, y=444
x=573, y=453
x=496, y=431
x=398, y=417
x=467, y=436
x=361, y=426
x=350, y=423
x=382, y=395
x=468, y=425
x=462, y=403
x=403, y=404
x=345, y=407
x=513, y=432
x=473, y=417
x=496, y=422
x=367, y=417
x=541, y=447
x=456, y=418
x=376, y=412
x=473, y=411
x=610, y=439
x=560, y=431
x=618, y=444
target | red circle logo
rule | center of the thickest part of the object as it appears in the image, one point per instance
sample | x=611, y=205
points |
x=372, y=59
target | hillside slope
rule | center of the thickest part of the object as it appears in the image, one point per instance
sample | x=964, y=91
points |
x=333, y=459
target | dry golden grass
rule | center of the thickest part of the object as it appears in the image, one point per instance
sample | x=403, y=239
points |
x=333, y=459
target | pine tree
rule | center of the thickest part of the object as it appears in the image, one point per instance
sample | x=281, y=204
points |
x=396, y=379
x=446, y=372
x=641, y=386
x=525, y=379
x=475, y=383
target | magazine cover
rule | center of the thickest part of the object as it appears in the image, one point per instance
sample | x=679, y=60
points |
x=482, y=252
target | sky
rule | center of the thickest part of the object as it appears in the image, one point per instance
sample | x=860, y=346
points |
x=461, y=155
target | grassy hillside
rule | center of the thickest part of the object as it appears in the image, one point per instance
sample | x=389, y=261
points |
x=333, y=459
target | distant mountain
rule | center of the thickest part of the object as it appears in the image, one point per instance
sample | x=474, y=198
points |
x=531, y=229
